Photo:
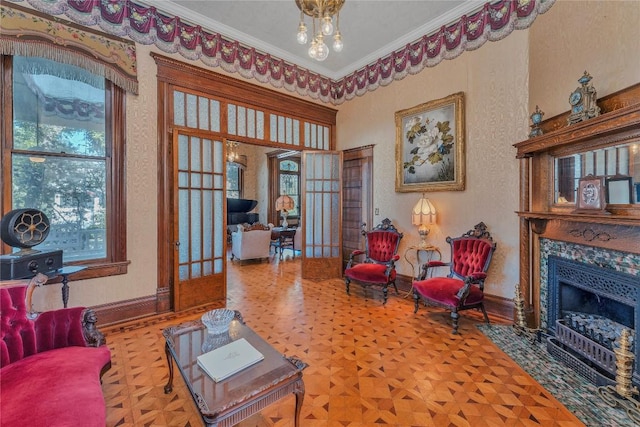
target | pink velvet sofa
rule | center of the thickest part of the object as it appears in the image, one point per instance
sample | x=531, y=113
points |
x=50, y=364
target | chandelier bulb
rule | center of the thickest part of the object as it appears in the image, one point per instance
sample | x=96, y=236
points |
x=302, y=33
x=322, y=52
x=313, y=49
x=337, y=42
x=327, y=26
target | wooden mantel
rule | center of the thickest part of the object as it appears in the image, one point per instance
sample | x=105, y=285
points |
x=616, y=229
x=618, y=126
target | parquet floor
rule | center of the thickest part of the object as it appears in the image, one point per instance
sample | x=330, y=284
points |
x=369, y=364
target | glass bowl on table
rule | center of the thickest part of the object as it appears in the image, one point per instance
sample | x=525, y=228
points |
x=218, y=321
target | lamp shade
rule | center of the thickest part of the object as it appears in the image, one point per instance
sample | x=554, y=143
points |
x=423, y=212
x=284, y=203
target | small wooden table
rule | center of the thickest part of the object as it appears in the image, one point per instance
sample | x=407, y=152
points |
x=242, y=395
x=430, y=252
x=282, y=238
x=65, y=272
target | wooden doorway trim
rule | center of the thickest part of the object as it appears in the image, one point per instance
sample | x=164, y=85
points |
x=278, y=107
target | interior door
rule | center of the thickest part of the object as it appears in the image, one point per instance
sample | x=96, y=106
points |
x=200, y=230
x=357, y=198
x=321, y=214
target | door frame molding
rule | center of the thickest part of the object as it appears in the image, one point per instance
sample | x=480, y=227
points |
x=364, y=153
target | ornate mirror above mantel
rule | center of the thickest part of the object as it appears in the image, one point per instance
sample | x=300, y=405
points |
x=558, y=171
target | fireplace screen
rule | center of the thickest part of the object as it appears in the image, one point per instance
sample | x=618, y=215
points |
x=588, y=307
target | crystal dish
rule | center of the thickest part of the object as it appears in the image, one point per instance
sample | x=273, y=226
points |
x=218, y=321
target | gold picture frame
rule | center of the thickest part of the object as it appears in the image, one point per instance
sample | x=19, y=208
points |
x=430, y=152
x=591, y=197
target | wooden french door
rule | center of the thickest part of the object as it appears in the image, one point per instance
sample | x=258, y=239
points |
x=357, y=198
x=321, y=214
x=199, y=229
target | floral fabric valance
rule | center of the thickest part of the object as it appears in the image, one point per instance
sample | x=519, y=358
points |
x=26, y=32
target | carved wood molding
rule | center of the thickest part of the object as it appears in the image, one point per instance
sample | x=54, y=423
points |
x=615, y=237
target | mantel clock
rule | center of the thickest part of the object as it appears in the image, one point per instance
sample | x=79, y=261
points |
x=583, y=101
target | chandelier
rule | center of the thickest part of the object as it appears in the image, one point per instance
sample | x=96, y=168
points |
x=232, y=151
x=321, y=13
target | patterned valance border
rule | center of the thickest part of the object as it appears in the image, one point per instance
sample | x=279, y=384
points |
x=27, y=32
x=146, y=25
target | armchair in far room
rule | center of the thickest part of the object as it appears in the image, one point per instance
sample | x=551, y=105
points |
x=380, y=256
x=250, y=242
x=463, y=288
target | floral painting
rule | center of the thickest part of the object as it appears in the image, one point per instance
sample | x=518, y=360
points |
x=430, y=146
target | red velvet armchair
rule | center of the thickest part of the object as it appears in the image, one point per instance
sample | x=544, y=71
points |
x=462, y=289
x=50, y=364
x=380, y=256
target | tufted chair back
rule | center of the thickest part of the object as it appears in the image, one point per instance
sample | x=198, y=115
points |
x=469, y=255
x=21, y=336
x=382, y=245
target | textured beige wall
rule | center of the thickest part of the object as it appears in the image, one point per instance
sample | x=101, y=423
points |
x=601, y=37
x=142, y=212
x=492, y=79
x=502, y=81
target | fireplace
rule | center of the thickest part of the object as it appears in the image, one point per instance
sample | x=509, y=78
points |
x=587, y=306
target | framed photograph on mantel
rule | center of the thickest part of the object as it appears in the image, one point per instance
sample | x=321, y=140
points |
x=591, y=197
x=430, y=146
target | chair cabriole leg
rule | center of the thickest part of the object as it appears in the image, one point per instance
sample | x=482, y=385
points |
x=486, y=317
x=455, y=316
x=416, y=300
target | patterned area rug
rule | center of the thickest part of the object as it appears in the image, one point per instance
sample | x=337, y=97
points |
x=575, y=392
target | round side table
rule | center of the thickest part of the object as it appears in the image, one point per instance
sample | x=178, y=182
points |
x=429, y=252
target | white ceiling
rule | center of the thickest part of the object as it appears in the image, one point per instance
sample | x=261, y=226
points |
x=370, y=29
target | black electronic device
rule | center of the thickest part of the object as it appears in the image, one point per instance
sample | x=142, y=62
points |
x=25, y=228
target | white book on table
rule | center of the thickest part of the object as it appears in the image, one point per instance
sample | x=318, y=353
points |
x=229, y=359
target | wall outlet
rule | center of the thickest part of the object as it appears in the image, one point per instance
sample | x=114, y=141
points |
x=376, y=211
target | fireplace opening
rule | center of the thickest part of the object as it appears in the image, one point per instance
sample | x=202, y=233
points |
x=587, y=309
x=596, y=316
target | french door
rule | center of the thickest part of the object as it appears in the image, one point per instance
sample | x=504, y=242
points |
x=199, y=228
x=321, y=214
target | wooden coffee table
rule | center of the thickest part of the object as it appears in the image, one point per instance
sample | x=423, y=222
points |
x=246, y=393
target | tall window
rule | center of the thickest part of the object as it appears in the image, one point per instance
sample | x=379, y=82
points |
x=289, y=182
x=235, y=180
x=65, y=156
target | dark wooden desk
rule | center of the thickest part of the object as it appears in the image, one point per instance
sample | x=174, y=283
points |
x=228, y=402
x=283, y=238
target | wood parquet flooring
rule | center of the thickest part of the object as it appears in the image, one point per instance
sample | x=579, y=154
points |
x=369, y=364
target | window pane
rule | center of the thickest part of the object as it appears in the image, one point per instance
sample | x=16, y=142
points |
x=233, y=180
x=60, y=109
x=57, y=108
x=71, y=192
